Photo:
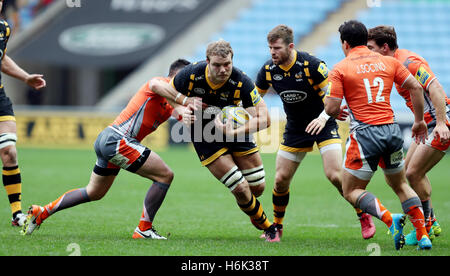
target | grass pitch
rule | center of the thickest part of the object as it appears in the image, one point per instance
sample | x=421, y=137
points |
x=199, y=214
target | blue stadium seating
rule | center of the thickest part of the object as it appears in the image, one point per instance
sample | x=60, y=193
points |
x=247, y=33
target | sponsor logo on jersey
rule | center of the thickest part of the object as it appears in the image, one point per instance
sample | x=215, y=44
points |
x=277, y=77
x=323, y=70
x=293, y=96
x=422, y=75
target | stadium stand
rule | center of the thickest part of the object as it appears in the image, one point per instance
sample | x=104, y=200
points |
x=247, y=33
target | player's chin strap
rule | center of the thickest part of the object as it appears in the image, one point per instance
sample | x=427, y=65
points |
x=7, y=139
x=255, y=176
x=232, y=178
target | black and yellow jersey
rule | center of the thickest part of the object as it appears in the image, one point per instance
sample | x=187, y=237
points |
x=299, y=86
x=5, y=31
x=239, y=89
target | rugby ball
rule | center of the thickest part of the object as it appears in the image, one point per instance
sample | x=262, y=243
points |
x=238, y=115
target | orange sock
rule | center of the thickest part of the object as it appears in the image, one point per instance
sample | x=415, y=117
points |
x=144, y=224
x=386, y=216
x=417, y=219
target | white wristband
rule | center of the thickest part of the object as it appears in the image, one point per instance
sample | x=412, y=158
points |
x=184, y=100
x=324, y=115
x=178, y=95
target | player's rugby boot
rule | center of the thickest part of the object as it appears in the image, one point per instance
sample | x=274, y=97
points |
x=19, y=220
x=396, y=229
x=272, y=234
x=148, y=234
x=436, y=228
x=33, y=219
x=424, y=243
x=367, y=226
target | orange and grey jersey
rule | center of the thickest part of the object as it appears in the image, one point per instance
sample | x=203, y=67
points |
x=5, y=31
x=143, y=114
x=420, y=69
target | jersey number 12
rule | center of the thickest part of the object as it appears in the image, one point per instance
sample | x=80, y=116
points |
x=376, y=82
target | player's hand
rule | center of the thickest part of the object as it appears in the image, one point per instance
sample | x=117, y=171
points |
x=226, y=128
x=316, y=126
x=441, y=133
x=36, y=81
x=188, y=114
x=343, y=113
x=197, y=102
x=419, y=132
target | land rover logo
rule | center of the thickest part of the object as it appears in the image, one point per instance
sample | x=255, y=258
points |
x=108, y=39
x=293, y=96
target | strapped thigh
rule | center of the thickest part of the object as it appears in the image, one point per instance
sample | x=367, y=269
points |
x=7, y=139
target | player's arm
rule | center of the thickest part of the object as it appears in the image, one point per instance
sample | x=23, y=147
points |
x=260, y=119
x=167, y=91
x=437, y=95
x=10, y=68
x=419, y=128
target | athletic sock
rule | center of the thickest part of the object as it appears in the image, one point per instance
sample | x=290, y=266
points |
x=67, y=200
x=13, y=186
x=280, y=202
x=152, y=202
x=254, y=210
x=427, y=214
x=368, y=203
x=359, y=212
x=413, y=208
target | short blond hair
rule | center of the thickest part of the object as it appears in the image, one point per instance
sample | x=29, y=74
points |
x=220, y=48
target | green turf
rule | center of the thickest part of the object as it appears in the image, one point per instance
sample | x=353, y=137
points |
x=200, y=213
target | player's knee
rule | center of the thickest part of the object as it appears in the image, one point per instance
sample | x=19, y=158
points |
x=169, y=176
x=233, y=179
x=94, y=194
x=282, y=180
x=257, y=191
x=256, y=179
x=335, y=178
x=413, y=176
x=9, y=155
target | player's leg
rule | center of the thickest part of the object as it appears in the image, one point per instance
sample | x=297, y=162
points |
x=97, y=187
x=392, y=164
x=411, y=205
x=154, y=168
x=423, y=160
x=286, y=165
x=11, y=176
x=226, y=171
x=332, y=165
x=252, y=169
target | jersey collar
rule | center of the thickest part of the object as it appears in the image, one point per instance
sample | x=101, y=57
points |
x=287, y=68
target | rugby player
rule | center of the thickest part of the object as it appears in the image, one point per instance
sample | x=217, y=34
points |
x=421, y=158
x=8, y=133
x=235, y=163
x=301, y=81
x=375, y=138
x=118, y=147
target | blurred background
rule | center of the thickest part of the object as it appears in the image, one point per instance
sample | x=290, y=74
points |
x=95, y=54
